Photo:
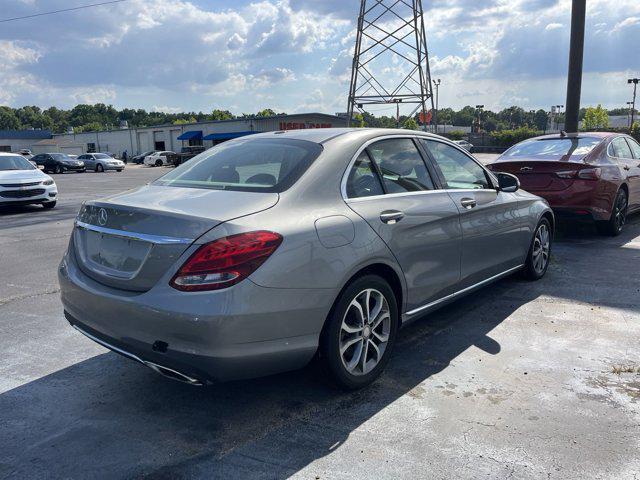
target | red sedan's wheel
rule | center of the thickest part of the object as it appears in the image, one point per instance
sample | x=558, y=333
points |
x=613, y=226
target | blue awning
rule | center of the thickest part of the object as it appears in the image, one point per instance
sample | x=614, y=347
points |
x=227, y=136
x=191, y=135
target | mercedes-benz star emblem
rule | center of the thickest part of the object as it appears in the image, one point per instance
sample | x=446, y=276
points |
x=102, y=217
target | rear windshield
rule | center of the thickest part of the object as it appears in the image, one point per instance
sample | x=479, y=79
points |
x=251, y=165
x=553, y=148
x=15, y=162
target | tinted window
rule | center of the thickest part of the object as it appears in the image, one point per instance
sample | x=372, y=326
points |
x=621, y=148
x=635, y=147
x=60, y=156
x=363, y=181
x=14, y=162
x=255, y=165
x=458, y=169
x=401, y=166
x=553, y=148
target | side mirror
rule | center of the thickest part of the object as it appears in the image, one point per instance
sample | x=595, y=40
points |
x=507, y=182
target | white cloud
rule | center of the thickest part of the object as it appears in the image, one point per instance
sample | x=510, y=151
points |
x=553, y=26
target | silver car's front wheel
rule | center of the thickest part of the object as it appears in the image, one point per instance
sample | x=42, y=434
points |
x=365, y=332
x=360, y=332
x=541, y=246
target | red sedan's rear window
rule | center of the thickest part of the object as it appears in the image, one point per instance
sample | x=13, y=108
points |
x=552, y=148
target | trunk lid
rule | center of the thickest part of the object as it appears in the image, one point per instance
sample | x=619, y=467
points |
x=130, y=240
x=540, y=175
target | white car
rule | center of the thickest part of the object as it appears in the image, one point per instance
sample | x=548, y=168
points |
x=159, y=159
x=464, y=144
x=23, y=184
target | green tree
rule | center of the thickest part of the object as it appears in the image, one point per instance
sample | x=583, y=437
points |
x=595, y=118
x=410, y=124
x=540, y=119
x=267, y=112
x=358, y=121
x=8, y=119
x=221, y=115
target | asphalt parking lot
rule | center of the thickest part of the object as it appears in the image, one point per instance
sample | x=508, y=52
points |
x=519, y=380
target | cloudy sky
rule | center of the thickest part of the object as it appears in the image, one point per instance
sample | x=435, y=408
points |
x=295, y=55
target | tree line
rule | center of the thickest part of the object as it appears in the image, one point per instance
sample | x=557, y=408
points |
x=85, y=118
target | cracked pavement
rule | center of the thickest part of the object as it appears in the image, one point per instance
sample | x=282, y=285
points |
x=513, y=381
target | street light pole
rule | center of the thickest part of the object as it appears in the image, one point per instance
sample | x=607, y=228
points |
x=633, y=81
x=397, y=101
x=558, y=113
x=436, y=83
x=576, y=56
x=479, y=109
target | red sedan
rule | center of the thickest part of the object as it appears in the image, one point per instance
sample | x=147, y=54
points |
x=594, y=176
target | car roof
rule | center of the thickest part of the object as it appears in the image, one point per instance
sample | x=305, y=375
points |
x=10, y=154
x=580, y=135
x=322, y=135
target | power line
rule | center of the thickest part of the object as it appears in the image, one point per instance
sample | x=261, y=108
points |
x=5, y=20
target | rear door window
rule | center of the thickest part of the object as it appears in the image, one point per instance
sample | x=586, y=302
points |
x=254, y=165
x=458, y=169
x=363, y=181
x=401, y=166
x=635, y=147
x=621, y=148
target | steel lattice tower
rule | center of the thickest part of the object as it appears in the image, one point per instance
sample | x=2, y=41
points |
x=391, y=61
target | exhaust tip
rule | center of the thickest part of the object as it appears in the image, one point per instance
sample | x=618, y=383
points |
x=173, y=374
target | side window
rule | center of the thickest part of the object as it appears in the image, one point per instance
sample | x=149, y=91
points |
x=635, y=147
x=401, y=166
x=459, y=170
x=621, y=148
x=363, y=180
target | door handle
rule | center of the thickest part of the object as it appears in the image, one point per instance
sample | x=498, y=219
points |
x=391, y=216
x=468, y=203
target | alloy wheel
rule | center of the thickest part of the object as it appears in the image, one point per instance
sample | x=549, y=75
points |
x=364, y=332
x=620, y=210
x=541, y=247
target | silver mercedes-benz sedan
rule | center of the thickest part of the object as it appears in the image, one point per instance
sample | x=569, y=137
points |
x=265, y=252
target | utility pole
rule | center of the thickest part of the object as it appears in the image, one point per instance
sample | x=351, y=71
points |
x=436, y=83
x=479, y=110
x=397, y=101
x=633, y=81
x=629, y=110
x=576, y=56
x=390, y=29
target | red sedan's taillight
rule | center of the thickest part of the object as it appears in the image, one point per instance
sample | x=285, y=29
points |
x=226, y=261
x=584, y=174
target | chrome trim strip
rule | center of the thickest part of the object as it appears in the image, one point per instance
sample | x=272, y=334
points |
x=157, y=239
x=464, y=290
x=153, y=366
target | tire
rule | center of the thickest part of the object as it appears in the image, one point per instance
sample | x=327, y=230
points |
x=347, y=369
x=537, y=261
x=49, y=205
x=99, y=168
x=58, y=169
x=158, y=163
x=613, y=227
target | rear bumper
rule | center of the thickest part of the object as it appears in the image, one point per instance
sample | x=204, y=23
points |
x=241, y=332
x=583, y=200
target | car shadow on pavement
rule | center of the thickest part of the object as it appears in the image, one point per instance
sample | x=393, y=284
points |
x=107, y=417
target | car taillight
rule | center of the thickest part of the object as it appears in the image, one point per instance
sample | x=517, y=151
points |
x=226, y=261
x=584, y=174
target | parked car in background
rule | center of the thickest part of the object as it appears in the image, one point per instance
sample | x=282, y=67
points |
x=464, y=144
x=593, y=176
x=138, y=159
x=101, y=162
x=159, y=159
x=59, y=163
x=26, y=153
x=187, y=153
x=273, y=248
x=23, y=184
